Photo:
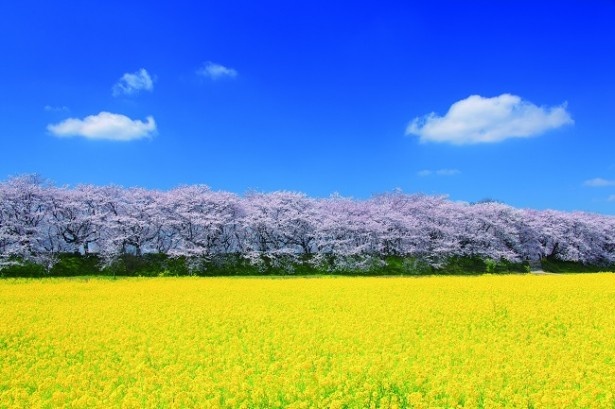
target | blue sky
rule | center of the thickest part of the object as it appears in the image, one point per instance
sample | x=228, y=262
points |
x=510, y=100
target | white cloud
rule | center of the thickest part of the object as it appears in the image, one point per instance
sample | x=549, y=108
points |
x=439, y=172
x=105, y=125
x=51, y=108
x=447, y=172
x=133, y=83
x=216, y=71
x=599, y=182
x=482, y=120
x=611, y=198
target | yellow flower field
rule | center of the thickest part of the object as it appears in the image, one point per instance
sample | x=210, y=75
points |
x=489, y=341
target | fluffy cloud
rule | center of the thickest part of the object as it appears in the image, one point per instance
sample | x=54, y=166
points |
x=105, y=125
x=611, y=198
x=133, y=83
x=599, y=182
x=481, y=120
x=439, y=172
x=216, y=71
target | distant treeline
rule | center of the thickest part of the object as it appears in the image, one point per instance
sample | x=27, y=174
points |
x=49, y=230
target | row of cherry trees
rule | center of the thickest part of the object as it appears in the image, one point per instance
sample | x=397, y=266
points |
x=38, y=221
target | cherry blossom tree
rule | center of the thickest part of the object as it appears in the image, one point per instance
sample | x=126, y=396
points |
x=283, y=229
x=75, y=217
x=205, y=221
x=25, y=232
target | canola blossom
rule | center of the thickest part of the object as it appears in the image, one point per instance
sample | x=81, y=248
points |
x=488, y=341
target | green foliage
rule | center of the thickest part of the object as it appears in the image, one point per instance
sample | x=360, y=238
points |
x=70, y=265
x=161, y=265
x=553, y=265
x=490, y=266
x=476, y=265
x=396, y=265
x=23, y=269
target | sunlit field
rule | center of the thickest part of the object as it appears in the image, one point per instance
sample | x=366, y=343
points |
x=488, y=341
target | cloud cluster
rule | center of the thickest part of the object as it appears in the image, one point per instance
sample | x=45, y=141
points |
x=105, y=126
x=133, y=83
x=599, y=182
x=478, y=119
x=216, y=71
x=118, y=127
x=439, y=172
